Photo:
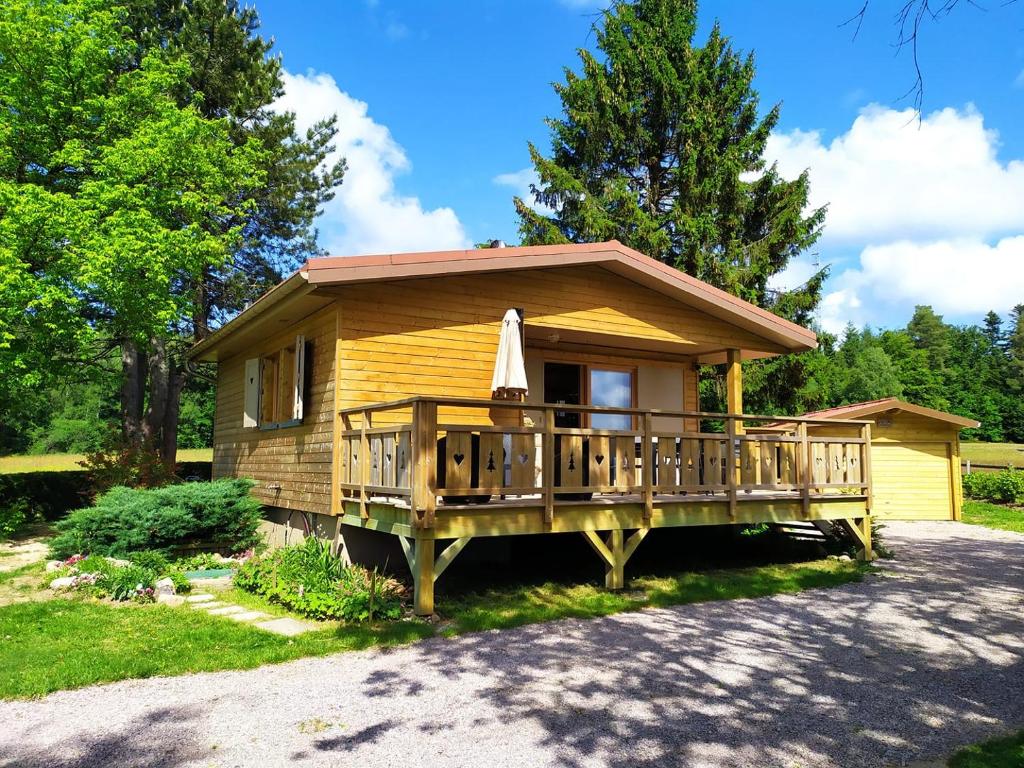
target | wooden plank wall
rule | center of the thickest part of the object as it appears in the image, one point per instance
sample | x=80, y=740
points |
x=439, y=336
x=298, y=458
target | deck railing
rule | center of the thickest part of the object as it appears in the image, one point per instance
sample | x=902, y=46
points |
x=400, y=452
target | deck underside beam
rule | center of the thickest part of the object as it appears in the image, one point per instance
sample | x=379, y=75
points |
x=419, y=554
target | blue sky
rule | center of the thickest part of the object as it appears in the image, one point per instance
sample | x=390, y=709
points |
x=438, y=100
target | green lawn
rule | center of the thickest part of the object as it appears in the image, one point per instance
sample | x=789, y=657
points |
x=68, y=643
x=64, y=462
x=1002, y=454
x=997, y=753
x=990, y=515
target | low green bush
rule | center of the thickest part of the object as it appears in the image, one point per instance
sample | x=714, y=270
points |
x=182, y=586
x=127, y=520
x=309, y=579
x=13, y=516
x=130, y=582
x=150, y=560
x=1005, y=486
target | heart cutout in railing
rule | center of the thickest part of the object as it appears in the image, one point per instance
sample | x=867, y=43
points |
x=599, y=458
x=523, y=458
x=458, y=458
x=668, y=460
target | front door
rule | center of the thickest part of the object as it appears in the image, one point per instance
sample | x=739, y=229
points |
x=563, y=383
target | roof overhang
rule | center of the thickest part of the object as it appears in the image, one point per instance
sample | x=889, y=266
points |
x=861, y=411
x=321, y=274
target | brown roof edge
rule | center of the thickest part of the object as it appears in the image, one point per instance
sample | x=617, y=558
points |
x=283, y=290
x=857, y=410
x=350, y=269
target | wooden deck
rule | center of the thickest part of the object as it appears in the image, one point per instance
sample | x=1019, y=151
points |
x=428, y=469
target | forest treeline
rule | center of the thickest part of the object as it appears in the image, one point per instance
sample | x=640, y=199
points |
x=971, y=370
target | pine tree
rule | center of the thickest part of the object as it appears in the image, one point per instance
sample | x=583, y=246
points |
x=661, y=146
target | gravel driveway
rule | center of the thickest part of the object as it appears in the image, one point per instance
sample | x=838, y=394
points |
x=922, y=657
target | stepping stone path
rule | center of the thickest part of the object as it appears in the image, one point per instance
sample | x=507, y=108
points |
x=282, y=626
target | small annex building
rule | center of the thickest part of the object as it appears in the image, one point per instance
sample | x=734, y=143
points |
x=915, y=457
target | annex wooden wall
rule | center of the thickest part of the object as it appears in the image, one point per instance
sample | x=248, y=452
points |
x=915, y=466
x=296, y=458
x=439, y=336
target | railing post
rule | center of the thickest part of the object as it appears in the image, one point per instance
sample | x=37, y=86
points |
x=647, y=436
x=647, y=439
x=425, y=466
x=364, y=464
x=548, y=465
x=865, y=463
x=806, y=470
x=732, y=469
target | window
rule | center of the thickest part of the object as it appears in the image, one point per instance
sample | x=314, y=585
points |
x=614, y=389
x=275, y=387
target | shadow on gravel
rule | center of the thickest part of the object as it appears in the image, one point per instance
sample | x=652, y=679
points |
x=917, y=660
x=160, y=739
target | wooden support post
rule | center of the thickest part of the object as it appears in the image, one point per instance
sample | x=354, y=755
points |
x=364, y=463
x=865, y=466
x=867, y=553
x=615, y=572
x=732, y=469
x=548, y=465
x=423, y=577
x=647, y=457
x=734, y=401
x=805, y=466
x=424, y=463
x=615, y=553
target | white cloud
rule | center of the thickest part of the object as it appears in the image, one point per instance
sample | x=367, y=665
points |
x=891, y=178
x=956, y=277
x=520, y=182
x=367, y=215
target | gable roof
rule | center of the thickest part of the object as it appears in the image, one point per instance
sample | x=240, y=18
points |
x=612, y=255
x=871, y=407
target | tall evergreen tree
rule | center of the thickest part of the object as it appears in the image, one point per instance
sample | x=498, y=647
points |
x=661, y=146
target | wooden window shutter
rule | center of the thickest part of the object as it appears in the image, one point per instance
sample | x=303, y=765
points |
x=253, y=383
x=299, y=379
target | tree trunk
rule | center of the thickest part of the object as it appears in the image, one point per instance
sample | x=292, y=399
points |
x=159, y=381
x=169, y=444
x=132, y=391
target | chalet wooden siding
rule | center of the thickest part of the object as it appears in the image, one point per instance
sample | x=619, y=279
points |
x=296, y=458
x=439, y=336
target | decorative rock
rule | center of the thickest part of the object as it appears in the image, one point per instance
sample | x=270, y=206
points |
x=170, y=599
x=200, y=598
x=64, y=582
x=54, y=565
x=227, y=610
x=287, y=626
x=247, y=616
x=165, y=587
x=845, y=558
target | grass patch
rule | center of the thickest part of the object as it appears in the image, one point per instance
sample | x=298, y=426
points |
x=68, y=643
x=1002, y=454
x=69, y=462
x=63, y=644
x=997, y=753
x=504, y=607
x=990, y=515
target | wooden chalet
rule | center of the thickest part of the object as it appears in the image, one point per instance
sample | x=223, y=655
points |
x=358, y=394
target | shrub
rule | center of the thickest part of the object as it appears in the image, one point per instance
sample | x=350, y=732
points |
x=126, y=520
x=151, y=560
x=182, y=586
x=12, y=517
x=310, y=580
x=130, y=582
x=1005, y=486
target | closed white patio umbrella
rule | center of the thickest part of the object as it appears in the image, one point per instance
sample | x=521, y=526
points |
x=509, y=379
